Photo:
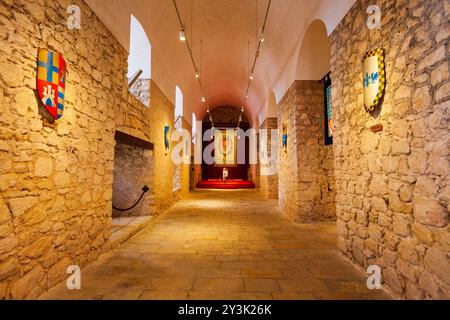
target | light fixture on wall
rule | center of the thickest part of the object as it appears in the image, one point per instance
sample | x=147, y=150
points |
x=203, y=99
x=251, y=78
x=182, y=35
x=197, y=75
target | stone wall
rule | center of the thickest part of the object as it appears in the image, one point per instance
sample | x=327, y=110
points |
x=186, y=166
x=133, y=168
x=393, y=186
x=269, y=169
x=56, y=180
x=227, y=116
x=162, y=113
x=306, y=179
x=141, y=91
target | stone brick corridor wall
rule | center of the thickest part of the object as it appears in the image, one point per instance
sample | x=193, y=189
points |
x=393, y=187
x=269, y=176
x=141, y=91
x=56, y=181
x=306, y=176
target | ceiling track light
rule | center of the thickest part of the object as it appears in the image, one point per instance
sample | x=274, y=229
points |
x=182, y=35
x=257, y=54
x=184, y=39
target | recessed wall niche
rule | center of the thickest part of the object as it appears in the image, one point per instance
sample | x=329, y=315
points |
x=133, y=170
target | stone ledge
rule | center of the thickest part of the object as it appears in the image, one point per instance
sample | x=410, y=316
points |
x=124, y=229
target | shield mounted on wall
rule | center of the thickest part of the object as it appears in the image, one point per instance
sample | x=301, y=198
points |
x=374, y=78
x=51, y=81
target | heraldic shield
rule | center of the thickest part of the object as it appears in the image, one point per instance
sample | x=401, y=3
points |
x=51, y=81
x=374, y=78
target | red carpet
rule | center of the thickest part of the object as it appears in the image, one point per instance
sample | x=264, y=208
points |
x=230, y=184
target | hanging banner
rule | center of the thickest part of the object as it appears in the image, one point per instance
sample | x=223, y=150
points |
x=328, y=111
x=166, y=137
x=225, y=151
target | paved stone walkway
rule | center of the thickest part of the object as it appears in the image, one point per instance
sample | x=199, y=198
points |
x=224, y=245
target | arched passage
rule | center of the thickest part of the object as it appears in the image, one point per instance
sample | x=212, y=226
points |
x=179, y=108
x=227, y=153
x=306, y=171
x=268, y=139
x=139, y=62
x=315, y=53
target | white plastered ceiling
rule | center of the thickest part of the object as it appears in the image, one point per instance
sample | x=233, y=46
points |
x=225, y=27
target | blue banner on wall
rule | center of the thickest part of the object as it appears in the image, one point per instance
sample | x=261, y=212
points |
x=328, y=125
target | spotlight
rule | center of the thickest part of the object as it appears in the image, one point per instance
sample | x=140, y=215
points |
x=203, y=99
x=251, y=77
x=182, y=35
x=207, y=111
x=197, y=75
x=262, y=39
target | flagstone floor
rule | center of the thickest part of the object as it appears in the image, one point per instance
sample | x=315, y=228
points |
x=224, y=245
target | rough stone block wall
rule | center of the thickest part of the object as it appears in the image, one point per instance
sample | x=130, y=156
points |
x=393, y=193
x=133, y=168
x=269, y=170
x=56, y=180
x=162, y=113
x=306, y=168
x=141, y=90
x=186, y=167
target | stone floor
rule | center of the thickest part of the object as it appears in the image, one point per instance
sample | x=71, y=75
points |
x=223, y=245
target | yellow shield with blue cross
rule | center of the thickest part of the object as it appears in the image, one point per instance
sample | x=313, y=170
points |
x=374, y=79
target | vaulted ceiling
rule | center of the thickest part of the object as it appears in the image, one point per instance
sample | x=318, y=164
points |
x=228, y=30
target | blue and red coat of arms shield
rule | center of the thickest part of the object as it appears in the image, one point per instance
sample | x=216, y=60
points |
x=51, y=81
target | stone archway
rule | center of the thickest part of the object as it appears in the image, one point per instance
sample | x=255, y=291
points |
x=314, y=57
x=268, y=153
x=306, y=168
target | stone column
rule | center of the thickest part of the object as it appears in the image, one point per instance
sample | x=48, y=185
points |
x=306, y=166
x=268, y=169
